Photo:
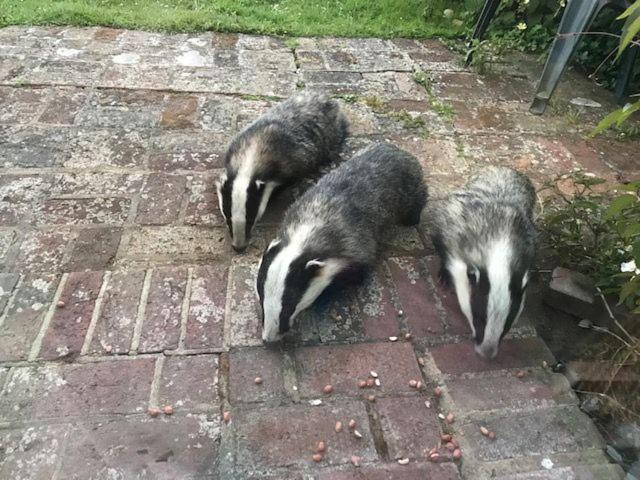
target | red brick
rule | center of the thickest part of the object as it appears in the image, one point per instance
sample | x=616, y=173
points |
x=542, y=432
x=248, y=363
x=25, y=315
x=59, y=390
x=244, y=325
x=514, y=353
x=413, y=471
x=343, y=365
x=119, y=311
x=205, y=325
x=202, y=202
x=456, y=321
x=163, y=314
x=31, y=452
x=537, y=389
x=181, y=111
x=189, y=383
x=83, y=211
x=378, y=315
x=184, y=448
x=42, y=251
x=160, y=199
x=94, y=249
x=416, y=297
x=287, y=436
x=184, y=160
x=69, y=325
x=408, y=426
x=64, y=106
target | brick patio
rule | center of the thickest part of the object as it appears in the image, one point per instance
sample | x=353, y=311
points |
x=109, y=144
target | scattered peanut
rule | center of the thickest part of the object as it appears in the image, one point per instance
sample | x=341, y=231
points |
x=226, y=416
x=327, y=389
x=441, y=416
x=321, y=448
x=427, y=404
x=446, y=437
x=60, y=304
x=407, y=336
x=377, y=382
x=338, y=428
x=370, y=382
x=438, y=392
x=393, y=339
x=257, y=381
x=400, y=313
x=362, y=383
x=317, y=457
x=352, y=423
x=355, y=461
x=373, y=374
x=484, y=431
x=492, y=435
x=403, y=461
x=357, y=434
x=457, y=454
x=419, y=385
x=421, y=361
x=168, y=410
x=544, y=364
x=108, y=349
x=450, y=418
x=450, y=446
x=520, y=374
x=371, y=398
x=153, y=412
x=434, y=457
x=413, y=383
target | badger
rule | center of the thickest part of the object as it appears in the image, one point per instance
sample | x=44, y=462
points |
x=486, y=239
x=292, y=140
x=332, y=232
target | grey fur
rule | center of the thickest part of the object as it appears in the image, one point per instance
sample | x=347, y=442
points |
x=295, y=138
x=354, y=204
x=496, y=205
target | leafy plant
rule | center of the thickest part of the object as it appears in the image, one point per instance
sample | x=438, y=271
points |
x=630, y=30
x=598, y=233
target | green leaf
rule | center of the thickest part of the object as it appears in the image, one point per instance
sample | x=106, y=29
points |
x=631, y=231
x=607, y=122
x=636, y=251
x=629, y=30
x=618, y=205
x=627, y=290
x=634, y=6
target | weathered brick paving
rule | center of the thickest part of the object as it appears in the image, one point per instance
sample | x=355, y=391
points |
x=109, y=144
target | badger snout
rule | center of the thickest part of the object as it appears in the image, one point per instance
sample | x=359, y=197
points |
x=238, y=248
x=487, y=351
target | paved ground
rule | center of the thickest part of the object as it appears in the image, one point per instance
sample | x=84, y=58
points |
x=110, y=141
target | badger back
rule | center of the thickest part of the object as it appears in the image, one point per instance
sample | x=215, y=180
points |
x=487, y=240
x=333, y=230
x=294, y=139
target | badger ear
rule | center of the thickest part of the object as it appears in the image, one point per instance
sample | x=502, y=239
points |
x=222, y=179
x=273, y=244
x=315, y=264
x=260, y=183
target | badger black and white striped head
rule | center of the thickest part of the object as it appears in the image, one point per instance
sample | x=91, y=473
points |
x=243, y=193
x=291, y=276
x=490, y=284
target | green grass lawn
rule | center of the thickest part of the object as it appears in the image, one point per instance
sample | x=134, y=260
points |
x=349, y=18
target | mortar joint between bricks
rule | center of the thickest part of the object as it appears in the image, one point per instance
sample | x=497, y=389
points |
x=184, y=311
x=140, y=314
x=11, y=300
x=95, y=315
x=375, y=427
x=46, y=322
x=155, y=383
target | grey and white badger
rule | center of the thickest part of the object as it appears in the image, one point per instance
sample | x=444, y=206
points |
x=291, y=141
x=333, y=231
x=486, y=238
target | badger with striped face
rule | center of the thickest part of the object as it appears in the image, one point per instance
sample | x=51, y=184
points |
x=291, y=141
x=332, y=232
x=486, y=239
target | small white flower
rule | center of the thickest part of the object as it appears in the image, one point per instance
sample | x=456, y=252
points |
x=521, y=26
x=447, y=13
x=629, y=267
x=525, y=2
